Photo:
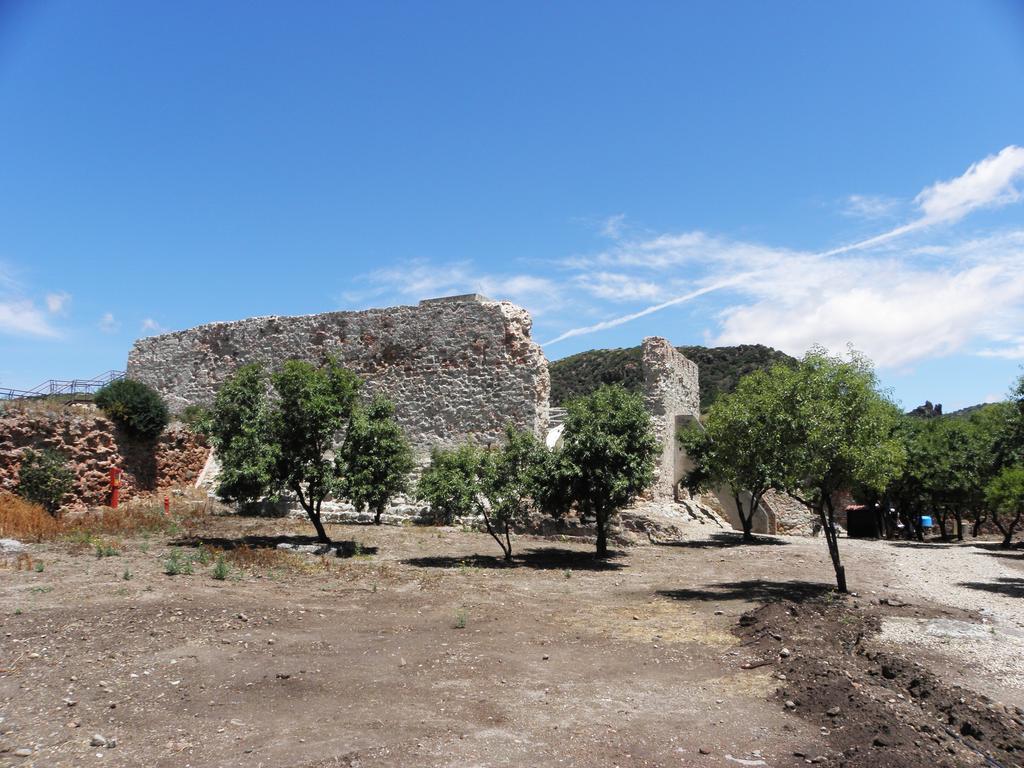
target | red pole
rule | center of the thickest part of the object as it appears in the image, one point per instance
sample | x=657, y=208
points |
x=115, y=486
x=167, y=505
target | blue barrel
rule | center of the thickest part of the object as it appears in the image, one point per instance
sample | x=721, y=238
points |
x=926, y=521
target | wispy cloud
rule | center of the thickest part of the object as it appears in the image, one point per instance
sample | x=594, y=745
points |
x=56, y=303
x=912, y=292
x=152, y=327
x=20, y=317
x=417, y=280
x=987, y=183
x=614, y=322
x=108, y=323
x=870, y=206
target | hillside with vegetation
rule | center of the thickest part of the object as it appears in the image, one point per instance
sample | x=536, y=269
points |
x=720, y=369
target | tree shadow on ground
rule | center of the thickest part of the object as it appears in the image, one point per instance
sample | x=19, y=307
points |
x=544, y=558
x=752, y=589
x=724, y=541
x=1004, y=585
x=930, y=544
x=343, y=548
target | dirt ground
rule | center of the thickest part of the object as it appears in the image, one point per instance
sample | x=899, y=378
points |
x=420, y=648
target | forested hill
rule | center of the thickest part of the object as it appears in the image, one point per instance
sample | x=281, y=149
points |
x=720, y=369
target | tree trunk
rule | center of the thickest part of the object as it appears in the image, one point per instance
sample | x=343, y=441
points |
x=321, y=533
x=506, y=545
x=958, y=516
x=828, y=524
x=1008, y=530
x=746, y=521
x=377, y=513
x=313, y=512
x=943, y=533
x=602, y=535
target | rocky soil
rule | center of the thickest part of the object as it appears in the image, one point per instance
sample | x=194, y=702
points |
x=419, y=647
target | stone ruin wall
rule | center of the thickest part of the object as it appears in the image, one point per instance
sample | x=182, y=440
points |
x=671, y=390
x=92, y=445
x=457, y=369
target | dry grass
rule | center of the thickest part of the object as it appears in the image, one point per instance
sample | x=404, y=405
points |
x=30, y=522
x=259, y=559
x=25, y=521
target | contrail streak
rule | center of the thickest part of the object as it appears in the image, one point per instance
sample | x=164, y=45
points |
x=604, y=324
x=616, y=321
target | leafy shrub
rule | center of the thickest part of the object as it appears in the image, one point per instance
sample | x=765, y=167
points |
x=452, y=484
x=44, y=479
x=196, y=418
x=135, y=406
x=376, y=458
x=220, y=569
x=177, y=563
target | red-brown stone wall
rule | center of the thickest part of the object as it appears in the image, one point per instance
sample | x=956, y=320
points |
x=93, y=444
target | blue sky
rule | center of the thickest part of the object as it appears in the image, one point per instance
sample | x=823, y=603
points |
x=804, y=172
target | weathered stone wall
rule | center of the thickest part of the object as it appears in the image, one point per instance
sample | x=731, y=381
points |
x=93, y=444
x=671, y=392
x=457, y=369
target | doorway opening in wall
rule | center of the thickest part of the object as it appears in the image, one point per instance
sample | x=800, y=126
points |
x=681, y=464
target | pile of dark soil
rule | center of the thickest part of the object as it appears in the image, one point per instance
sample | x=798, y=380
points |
x=874, y=708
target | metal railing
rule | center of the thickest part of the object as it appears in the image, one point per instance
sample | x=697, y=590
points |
x=62, y=387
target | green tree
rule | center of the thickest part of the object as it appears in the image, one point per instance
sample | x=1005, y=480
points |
x=375, y=458
x=606, y=458
x=739, y=446
x=509, y=478
x=909, y=489
x=839, y=434
x=44, y=478
x=998, y=433
x=453, y=483
x=137, y=407
x=239, y=428
x=312, y=408
x=953, y=477
x=1005, y=496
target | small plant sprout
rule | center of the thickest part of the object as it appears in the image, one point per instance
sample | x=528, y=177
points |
x=107, y=550
x=39, y=567
x=567, y=573
x=460, y=618
x=176, y=564
x=127, y=575
x=220, y=568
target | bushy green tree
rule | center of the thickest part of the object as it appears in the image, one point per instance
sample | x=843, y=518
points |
x=1005, y=496
x=135, y=406
x=606, y=458
x=839, y=433
x=375, y=458
x=739, y=446
x=453, y=483
x=285, y=442
x=312, y=408
x=240, y=430
x=509, y=479
x=44, y=478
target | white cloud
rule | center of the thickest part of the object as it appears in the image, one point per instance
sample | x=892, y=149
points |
x=989, y=182
x=612, y=226
x=870, y=206
x=615, y=286
x=108, y=323
x=57, y=302
x=417, y=280
x=152, y=327
x=20, y=317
